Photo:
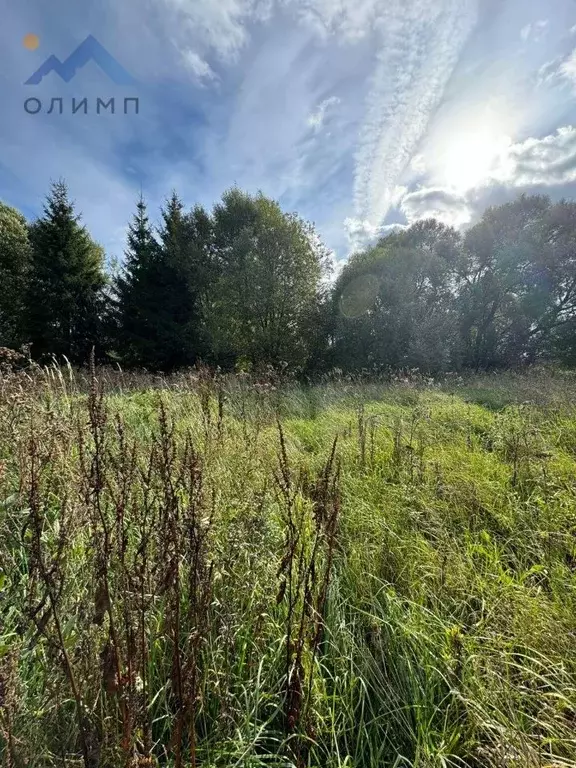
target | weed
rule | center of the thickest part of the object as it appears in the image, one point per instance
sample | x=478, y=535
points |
x=210, y=570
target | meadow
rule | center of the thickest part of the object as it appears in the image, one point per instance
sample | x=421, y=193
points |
x=219, y=571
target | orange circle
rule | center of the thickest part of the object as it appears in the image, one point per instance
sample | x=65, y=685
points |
x=31, y=42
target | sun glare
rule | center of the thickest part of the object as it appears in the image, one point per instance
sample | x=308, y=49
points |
x=471, y=158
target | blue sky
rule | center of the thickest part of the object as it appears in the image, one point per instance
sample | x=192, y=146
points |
x=359, y=114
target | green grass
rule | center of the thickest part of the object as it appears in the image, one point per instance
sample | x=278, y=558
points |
x=433, y=626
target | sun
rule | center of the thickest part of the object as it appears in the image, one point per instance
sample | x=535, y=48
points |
x=472, y=157
x=31, y=42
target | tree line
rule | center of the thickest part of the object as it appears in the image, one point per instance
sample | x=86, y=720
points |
x=247, y=285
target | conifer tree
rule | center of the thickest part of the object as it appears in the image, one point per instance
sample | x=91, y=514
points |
x=161, y=290
x=64, y=298
x=137, y=296
x=173, y=287
x=185, y=245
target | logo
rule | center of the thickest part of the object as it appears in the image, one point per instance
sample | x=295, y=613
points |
x=89, y=50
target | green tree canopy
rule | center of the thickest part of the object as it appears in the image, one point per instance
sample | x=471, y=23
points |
x=393, y=305
x=269, y=267
x=518, y=293
x=14, y=266
x=245, y=285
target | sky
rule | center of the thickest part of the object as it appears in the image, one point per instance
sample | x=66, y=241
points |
x=360, y=115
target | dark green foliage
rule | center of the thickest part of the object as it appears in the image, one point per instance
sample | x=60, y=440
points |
x=162, y=288
x=14, y=265
x=136, y=292
x=519, y=283
x=177, y=319
x=64, y=298
x=394, y=305
x=267, y=291
x=244, y=287
x=504, y=295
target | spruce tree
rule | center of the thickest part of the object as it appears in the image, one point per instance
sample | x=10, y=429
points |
x=159, y=294
x=138, y=301
x=64, y=299
x=181, y=318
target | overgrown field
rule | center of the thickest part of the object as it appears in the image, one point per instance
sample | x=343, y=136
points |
x=221, y=572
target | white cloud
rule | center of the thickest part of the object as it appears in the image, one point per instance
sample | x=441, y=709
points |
x=417, y=42
x=317, y=118
x=198, y=66
x=445, y=205
x=535, y=31
x=222, y=26
x=549, y=161
x=350, y=19
x=271, y=125
x=362, y=234
x=204, y=25
x=420, y=45
x=560, y=69
x=418, y=164
x=532, y=164
x=567, y=69
x=549, y=71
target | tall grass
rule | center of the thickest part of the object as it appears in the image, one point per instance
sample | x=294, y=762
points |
x=222, y=571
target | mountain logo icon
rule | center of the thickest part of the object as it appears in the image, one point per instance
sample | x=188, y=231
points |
x=89, y=50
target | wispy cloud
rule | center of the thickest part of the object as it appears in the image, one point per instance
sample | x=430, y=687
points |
x=567, y=68
x=420, y=45
x=326, y=105
x=534, y=31
x=198, y=66
x=318, y=117
x=219, y=27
